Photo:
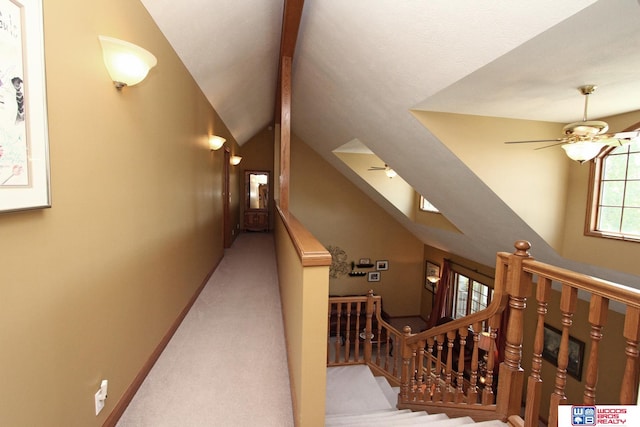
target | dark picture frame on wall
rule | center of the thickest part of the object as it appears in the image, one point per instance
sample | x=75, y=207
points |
x=374, y=276
x=552, y=338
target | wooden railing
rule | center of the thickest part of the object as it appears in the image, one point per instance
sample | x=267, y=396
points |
x=358, y=334
x=455, y=367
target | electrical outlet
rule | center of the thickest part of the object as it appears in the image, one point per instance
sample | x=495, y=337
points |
x=101, y=396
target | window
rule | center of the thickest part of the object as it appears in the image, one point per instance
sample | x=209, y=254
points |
x=615, y=202
x=469, y=296
x=425, y=205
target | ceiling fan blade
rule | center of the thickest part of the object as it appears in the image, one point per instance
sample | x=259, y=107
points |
x=535, y=140
x=619, y=138
x=549, y=146
x=375, y=168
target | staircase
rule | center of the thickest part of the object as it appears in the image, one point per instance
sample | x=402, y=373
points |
x=356, y=398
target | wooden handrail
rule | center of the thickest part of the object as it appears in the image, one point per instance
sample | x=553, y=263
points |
x=431, y=381
x=310, y=250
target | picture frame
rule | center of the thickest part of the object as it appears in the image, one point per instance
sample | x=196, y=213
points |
x=374, y=276
x=552, y=338
x=382, y=265
x=364, y=261
x=24, y=141
x=431, y=271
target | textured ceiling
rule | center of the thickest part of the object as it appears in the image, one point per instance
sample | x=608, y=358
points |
x=361, y=66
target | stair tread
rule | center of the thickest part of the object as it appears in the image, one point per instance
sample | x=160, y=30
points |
x=422, y=419
x=380, y=413
x=386, y=388
x=353, y=389
x=490, y=423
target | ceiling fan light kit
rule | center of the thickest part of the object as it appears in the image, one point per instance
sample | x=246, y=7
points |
x=584, y=140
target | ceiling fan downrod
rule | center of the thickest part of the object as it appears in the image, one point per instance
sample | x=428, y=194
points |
x=586, y=90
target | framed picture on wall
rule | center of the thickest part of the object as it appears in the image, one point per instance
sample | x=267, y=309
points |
x=552, y=338
x=374, y=276
x=382, y=265
x=24, y=145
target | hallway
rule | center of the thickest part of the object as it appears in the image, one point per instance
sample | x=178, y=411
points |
x=226, y=365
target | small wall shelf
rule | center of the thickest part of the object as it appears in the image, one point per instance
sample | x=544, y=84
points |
x=357, y=273
x=364, y=265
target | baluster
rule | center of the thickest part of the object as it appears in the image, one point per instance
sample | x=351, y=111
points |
x=568, y=300
x=368, y=328
x=412, y=390
x=338, y=342
x=472, y=391
x=437, y=393
x=406, y=361
x=632, y=334
x=448, y=393
x=329, y=334
x=487, y=392
x=348, y=334
x=379, y=335
x=464, y=333
x=430, y=367
x=356, y=355
x=598, y=309
x=420, y=371
x=393, y=351
x=534, y=384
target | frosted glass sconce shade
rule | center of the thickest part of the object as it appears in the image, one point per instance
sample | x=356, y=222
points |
x=235, y=160
x=216, y=142
x=127, y=63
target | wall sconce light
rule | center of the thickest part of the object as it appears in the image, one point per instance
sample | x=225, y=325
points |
x=235, y=160
x=127, y=63
x=216, y=142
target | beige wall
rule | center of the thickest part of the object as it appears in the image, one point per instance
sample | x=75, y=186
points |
x=90, y=286
x=555, y=200
x=507, y=169
x=613, y=254
x=339, y=214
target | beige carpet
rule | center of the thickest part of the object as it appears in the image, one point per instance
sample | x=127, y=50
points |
x=226, y=365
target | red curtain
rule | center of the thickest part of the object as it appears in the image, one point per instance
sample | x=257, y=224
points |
x=440, y=305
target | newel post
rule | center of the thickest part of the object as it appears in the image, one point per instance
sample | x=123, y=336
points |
x=406, y=363
x=511, y=378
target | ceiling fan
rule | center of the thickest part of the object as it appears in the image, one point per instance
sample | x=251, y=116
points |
x=387, y=170
x=582, y=141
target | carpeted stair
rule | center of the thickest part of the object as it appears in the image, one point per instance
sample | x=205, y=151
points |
x=356, y=398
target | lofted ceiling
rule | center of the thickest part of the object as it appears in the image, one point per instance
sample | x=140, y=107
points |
x=361, y=67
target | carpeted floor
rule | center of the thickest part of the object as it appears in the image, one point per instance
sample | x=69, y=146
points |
x=226, y=365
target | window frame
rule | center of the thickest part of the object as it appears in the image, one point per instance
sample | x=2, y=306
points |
x=594, y=194
x=454, y=289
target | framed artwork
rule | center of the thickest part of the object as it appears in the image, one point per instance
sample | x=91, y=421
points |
x=552, y=338
x=374, y=276
x=382, y=265
x=431, y=273
x=24, y=144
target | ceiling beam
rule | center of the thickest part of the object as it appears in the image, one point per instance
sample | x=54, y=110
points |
x=291, y=18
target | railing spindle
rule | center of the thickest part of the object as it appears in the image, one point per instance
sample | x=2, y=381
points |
x=568, y=301
x=534, y=384
x=598, y=309
x=338, y=342
x=632, y=335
